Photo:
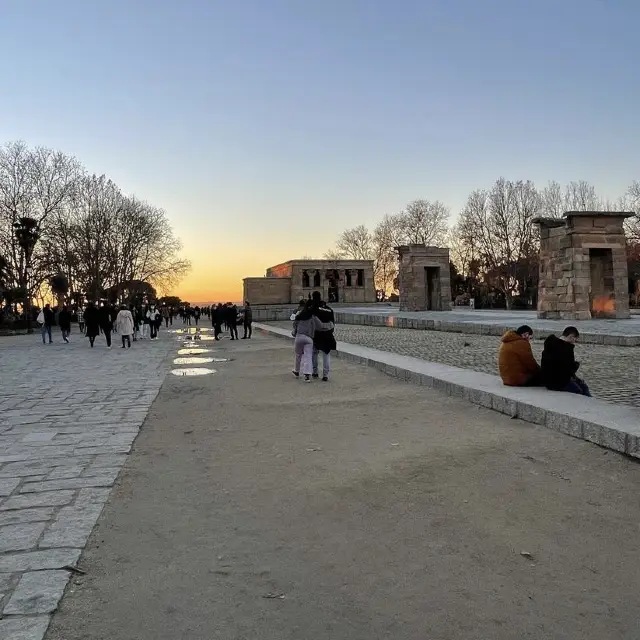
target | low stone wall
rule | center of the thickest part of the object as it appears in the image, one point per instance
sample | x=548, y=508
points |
x=373, y=320
x=278, y=313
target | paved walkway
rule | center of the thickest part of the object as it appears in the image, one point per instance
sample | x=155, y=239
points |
x=613, y=373
x=68, y=417
x=258, y=507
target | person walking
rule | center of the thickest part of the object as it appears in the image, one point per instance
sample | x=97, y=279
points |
x=125, y=325
x=92, y=322
x=64, y=322
x=48, y=320
x=81, y=320
x=217, y=318
x=247, y=321
x=105, y=314
x=324, y=340
x=232, y=320
x=304, y=328
x=165, y=315
x=152, y=317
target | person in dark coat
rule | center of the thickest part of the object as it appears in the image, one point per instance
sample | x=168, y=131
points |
x=232, y=320
x=48, y=320
x=217, y=319
x=559, y=365
x=64, y=322
x=92, y=322
x=323, y=341
x=106, y=323
x=247, y=321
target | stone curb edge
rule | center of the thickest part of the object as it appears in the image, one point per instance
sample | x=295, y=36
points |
x=393, y=322
x=623, y=439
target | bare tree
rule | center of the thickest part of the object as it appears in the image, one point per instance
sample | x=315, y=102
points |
x=632, y=203
x=462, y=248
x=34, y=185
x=423, y=222
x=355, y=243
x=106, y=241
x=499, y=221
x=386, y=237
x=576, y=196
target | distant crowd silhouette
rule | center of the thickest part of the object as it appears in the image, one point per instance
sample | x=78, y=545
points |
x=139, y=322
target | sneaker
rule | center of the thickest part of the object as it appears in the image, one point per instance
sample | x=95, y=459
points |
x=296, y=374
x=307, y=377
x=109, y=348
x=325, y=379
x=315, y=375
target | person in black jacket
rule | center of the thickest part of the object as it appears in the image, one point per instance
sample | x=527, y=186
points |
x=217, y=319
x=106, y=323
x=92, y=321
x=323, y=341
x=232, y=320
x=49, y=319
x=247, y=321
x=559, y=365
x=64, y=322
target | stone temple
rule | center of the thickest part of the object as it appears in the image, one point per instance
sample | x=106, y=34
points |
x=349, y=281
x=583, y=266
x=424, y=278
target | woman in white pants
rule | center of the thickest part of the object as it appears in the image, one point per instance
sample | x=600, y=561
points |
x=305, y=325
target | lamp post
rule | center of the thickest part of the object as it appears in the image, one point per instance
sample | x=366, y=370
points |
x=27, y=235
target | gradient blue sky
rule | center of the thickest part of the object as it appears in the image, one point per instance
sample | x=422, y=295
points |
x=264, y=128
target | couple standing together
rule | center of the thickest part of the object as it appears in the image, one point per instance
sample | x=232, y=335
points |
x=313, y=326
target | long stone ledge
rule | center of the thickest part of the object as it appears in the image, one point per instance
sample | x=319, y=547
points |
x=615, y=427
x=487, y=328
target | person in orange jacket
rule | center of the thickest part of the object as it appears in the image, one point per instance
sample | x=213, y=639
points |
x=517, y=366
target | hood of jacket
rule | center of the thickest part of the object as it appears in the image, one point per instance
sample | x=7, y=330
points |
x=511, y=336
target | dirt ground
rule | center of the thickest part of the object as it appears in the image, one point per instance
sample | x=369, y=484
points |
x=258, y=507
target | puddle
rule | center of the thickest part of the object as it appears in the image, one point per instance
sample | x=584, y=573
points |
x=192, y=351
x=193, y=371
x=192, y=360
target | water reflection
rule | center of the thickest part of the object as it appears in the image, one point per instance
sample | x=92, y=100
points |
x=192, y=360
x=192, y=351
x=193, y=371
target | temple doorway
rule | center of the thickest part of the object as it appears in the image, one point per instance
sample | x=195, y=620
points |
x=333, y=278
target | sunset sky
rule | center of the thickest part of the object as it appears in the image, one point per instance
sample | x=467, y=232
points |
x=265, y=127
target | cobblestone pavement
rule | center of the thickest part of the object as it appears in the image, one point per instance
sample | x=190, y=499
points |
x=68, y=417
x=613, y=373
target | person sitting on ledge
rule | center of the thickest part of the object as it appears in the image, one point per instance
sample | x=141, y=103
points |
x=517, y=366
x=559, y=365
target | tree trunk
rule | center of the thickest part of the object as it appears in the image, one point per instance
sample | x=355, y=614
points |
x=508, y=299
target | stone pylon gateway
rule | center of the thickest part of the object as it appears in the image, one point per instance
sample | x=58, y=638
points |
x=583, y=266
x=424, y=278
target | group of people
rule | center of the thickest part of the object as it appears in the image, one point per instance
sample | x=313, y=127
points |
x=558, y=366
x=130, y=323
x=140, y=322
x=313, y=330
x=229, y=316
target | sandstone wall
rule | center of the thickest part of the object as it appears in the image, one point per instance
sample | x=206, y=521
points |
x=267, y=290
